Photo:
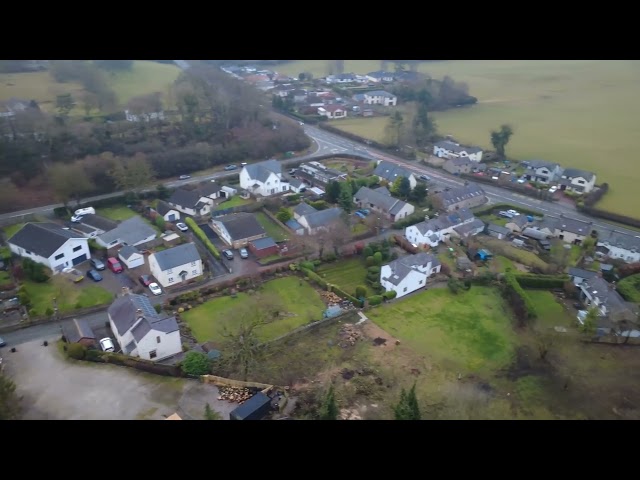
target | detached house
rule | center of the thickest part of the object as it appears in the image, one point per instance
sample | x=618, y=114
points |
x=579, y=181
x=612, y=244
x=133, y=231
x=408, y=274
x=597, y=293
x=380, y=97
x=176, y=265
x=380, y=76
x=391, y=172
x=131, y=256
x=168, y=213
x=141, y=331
x=316, y=171
x=449, y=149
x=432, y=232
x=542, y=171
x=238, y=229
x=341, y=78
x=459, y=165
x=314, y=221
x=380, y=200
x=468, y=196
x=191, y=202
x=470, y=229
x=517, y=223
x=50, y=245
x=572, y=231
x=263, y=178
x=333, y=112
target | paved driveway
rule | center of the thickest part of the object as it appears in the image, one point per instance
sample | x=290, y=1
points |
x=56, y=389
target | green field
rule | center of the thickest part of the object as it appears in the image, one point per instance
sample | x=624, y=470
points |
x=80, y=295
x=471, y=330
x=300, y=301
x=550, y=312
x=347, y=274
x=273, y=230
x=579, y=113
x=233, y=202
x=116, y=214
x=145, y=77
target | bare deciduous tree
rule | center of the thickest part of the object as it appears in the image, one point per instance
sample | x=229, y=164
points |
x=69, y=182
x=132, y=174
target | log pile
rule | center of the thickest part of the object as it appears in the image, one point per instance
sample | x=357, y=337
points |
x=330, y=298
x=234, y=394
x=349, y=335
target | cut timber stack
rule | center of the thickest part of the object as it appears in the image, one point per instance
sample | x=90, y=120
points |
x=233, y=394
x=350, y=335
x=330, y=298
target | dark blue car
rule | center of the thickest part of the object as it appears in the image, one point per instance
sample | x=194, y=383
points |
x=94, y=275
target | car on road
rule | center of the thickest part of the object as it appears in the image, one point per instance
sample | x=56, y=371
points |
x=114, y=265
x=244, y=253
x=97, y=264
x=94, y=275
x=145, y=280
x=107, y=345
x=553, y=189
x=184, y=177
x=2, y=342
x=182, y=227
x=155, y=288
x=426, y=178
x=244, y=164
x=231, y=167
x=228, y=254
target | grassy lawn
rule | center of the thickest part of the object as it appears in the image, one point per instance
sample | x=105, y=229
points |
x=501, y=247
x=495, y=219
x=116, y=214
x=83, y=295
x=145, y=77
x=11, y=230
x=273, y=230
x=504, y=264
x=346, y=274
x=300, y=301
x=359, y=228
x=551, y=313
x=630, y=288
x=235, y=201
x=4, y=277
x=470, y=331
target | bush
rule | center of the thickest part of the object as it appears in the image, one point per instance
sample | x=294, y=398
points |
x=93, y=355
x=160, y=223
x=375, y=300
x=367, y=252
x=542, y=281
x=390, y=295
x=196, y=363
x=412, y=219
x=157, y=307
x=521, y=303
x=34, y=271
x=197, y=231
x=374, y=269
x=330, y=257
x=370, y=261
x=49, y=312
x=308, y=265
x=377, y=258
x=361, y=291
x=62, y=212
x=315, y=277
x=76, y=351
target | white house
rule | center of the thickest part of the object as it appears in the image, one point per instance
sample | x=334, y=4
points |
x=140, y=331
x=380, y=200
x=333, y=112
x=380, y=97
x=578, y=275
x=131, y=256
x=341, y=78
x=449, y=149
x=597, y=293
x=296, y=185
x=612, y=244
x=390, y=172
x=320, y=172
x=579, y=181
x=380, y=76
x=542, y=171
x=143, y=117
x=168, y=213
x=133, y=231
x=50, y=245
x=91, y=226
x=432, y=232
x=408, y=274
x=175, y=265
x=263, y=178
x=191, y=202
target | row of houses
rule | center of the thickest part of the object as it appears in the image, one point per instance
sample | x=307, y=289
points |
x=551, y=173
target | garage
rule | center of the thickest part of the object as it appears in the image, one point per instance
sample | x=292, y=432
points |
x=131, y=257
x=79, y=259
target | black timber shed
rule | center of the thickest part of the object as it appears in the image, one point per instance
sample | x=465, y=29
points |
x=253, y=409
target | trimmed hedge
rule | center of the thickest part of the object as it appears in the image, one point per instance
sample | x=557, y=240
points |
x=314, y=276
x=542, y=281
x=521, y=303
x=344, y=295
x=375, y=300
x=389, y=295
x=596, y=212
x=197, y=231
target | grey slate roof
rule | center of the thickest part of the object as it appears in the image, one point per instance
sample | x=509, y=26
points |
x=380, y=74
x=207, y=189
x=304, y=209
x=492, y=227
x=460, y=161
x=184, y=198
x=177, y=256
x=381, y=200
x=163, y=207
x=466, y=228
x=579, y=272
x=384, y=190
x=574, y=226
x=295, y=182
x=77, y=330
x=294, y=225
x=322, y=218
x=401, y=267
x=444, y=221
x=380, y=93
x=605, y=293
x=459, y=194
x=128, y=251
x=42, y=238
x=131, y=231
x=534, y=233
x=390, y=171
x=98, y=222
x=263, y=243
x=536, y=164
x=241, y=225
x=574, y=173
x=140, y=330
x=519, y=220
x=78, y=227
x=618, y=239
x=261, y=171
x=123, y=313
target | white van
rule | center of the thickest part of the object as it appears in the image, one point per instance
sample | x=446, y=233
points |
x=107, y=344
x=85, y=211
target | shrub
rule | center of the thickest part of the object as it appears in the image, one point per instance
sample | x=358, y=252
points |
x=390, y=295
x=284, y=215
x=361, y=291
x=370, y=261
x=315, y=277
x=157, y=307
x=308, y=265
x=94, y=355
x=367, y=252
x=62, y=212
x=377, y=258
x=160, y=223
x=375, y=300
x=34, y=271
x=76, y=351
x=196, y=363
x=49, y=312
x=374, y=269
x=330, y=257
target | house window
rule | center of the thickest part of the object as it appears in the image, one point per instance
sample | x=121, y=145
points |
x=58, y=257
x=405, y=289
x=420, y=282
x=153, y=354
x=79, y=247
x=158, y=339
x=170, y=279
x=194, y=272
x=170, y=270
x=193, y=264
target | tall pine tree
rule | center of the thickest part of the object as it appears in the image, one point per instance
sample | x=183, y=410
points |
x=329, y=409
x=407, y=408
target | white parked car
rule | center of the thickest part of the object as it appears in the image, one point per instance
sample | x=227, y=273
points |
x=182, y=227
x=107, y=345
x=513, y=212
x=85, y=211
x=155, y=288
x=553, y=189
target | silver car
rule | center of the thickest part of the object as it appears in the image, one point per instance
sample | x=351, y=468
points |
x=97, y=264
x=244, y=253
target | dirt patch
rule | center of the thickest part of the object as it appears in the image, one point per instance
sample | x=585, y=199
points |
x=379, y=341
x=347, y=374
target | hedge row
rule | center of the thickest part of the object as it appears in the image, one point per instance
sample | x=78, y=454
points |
x=203, y=237
x=133, y=362
x=342, y=294
x=542, y=281
x=596, y=212
x=520, y=302
x=314, y=276
x=375, y=300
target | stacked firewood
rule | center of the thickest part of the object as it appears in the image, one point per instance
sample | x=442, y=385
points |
x=349, y=335
x=330, y=298
x=234, y=394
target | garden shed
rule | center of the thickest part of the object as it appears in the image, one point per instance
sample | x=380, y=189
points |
x=253, y=409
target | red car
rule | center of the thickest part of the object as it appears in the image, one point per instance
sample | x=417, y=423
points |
x=114, y=265
x=146, y=280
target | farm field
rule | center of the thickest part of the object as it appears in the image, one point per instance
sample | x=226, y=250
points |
x=300, y=302
x=579, y=113
x=144, y=78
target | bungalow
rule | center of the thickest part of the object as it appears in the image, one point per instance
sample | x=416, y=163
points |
x=191, y=202
x=97, y=224
x=380, y=76
x=264, y=247
x=542, y=171
x=380, y=97
x=578, y=275
x=263, y=178
x=572, y=231
x=497, y=231
x=175, y=265
x=470, y=229
x=450, y=149
x=613, y=244
x=333, y=112
x=131, y=256
x=432, y=232
x=302, y=209
x=579, y=181
x=132, y=231
x=238, y=229
x=597, y=293
x=381, y=201
x=390, y=172
x=295, y=226
x=50, y=245
x=141, y=331
x=215, y=191
x=459, y=165
x=167, y=212
x=536, y=234
x=340, y=78
x=320, y=220
x=320, y=172
x=517, y=223
x=296, y=185
x=468, y=196
x=79, y=331
x=408, y=274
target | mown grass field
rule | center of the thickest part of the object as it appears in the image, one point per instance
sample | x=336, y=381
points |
x=300, y=301
x=273, y=229
x=233, y=202
x=579, y=113
x=145, y=77
x=550, y=312
x=116, y=214
x=346, y=274
x=80, y=295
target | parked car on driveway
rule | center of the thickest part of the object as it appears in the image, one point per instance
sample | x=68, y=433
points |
x=553, y=189
x=228, y=254
x=231, y=167
x=107, y=345
x=182, y=227
x=155, y=288
x=94, y=275
x=73, y=274
x=426, y=178
x=114, y=265
x=244, y=253
x=145, y=280
x=360, y=214
x=97, y=264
